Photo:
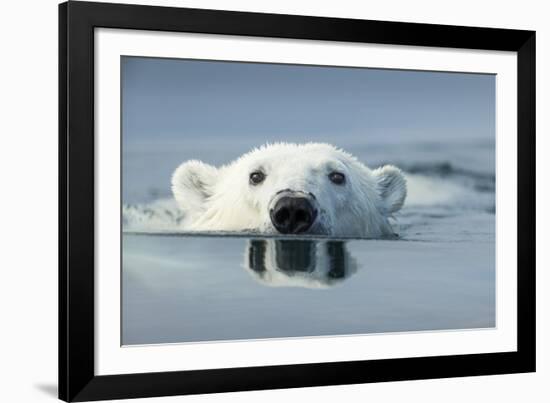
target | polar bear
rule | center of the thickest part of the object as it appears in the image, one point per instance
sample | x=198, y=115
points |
x=290, y=189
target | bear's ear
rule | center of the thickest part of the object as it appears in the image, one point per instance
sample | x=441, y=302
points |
x=392, y=188
x=192, y=184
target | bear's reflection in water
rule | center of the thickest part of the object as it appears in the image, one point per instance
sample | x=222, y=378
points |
x=299, y=263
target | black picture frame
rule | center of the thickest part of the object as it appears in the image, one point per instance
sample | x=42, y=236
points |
x=77, y=379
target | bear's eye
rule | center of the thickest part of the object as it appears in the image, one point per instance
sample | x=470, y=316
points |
x=337, y=178
x=257, y=177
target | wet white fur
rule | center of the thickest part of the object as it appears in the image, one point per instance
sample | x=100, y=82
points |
x=222, y=199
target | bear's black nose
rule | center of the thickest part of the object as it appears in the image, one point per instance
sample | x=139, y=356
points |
x=293, y=215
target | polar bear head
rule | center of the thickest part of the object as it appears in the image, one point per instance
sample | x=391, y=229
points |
x=286, y=188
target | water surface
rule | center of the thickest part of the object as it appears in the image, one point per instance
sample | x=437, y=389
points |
x=185, y=288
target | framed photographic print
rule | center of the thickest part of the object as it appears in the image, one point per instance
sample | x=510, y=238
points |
x=259, y=201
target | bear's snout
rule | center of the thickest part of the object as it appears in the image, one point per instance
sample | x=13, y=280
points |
x=293, y=213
